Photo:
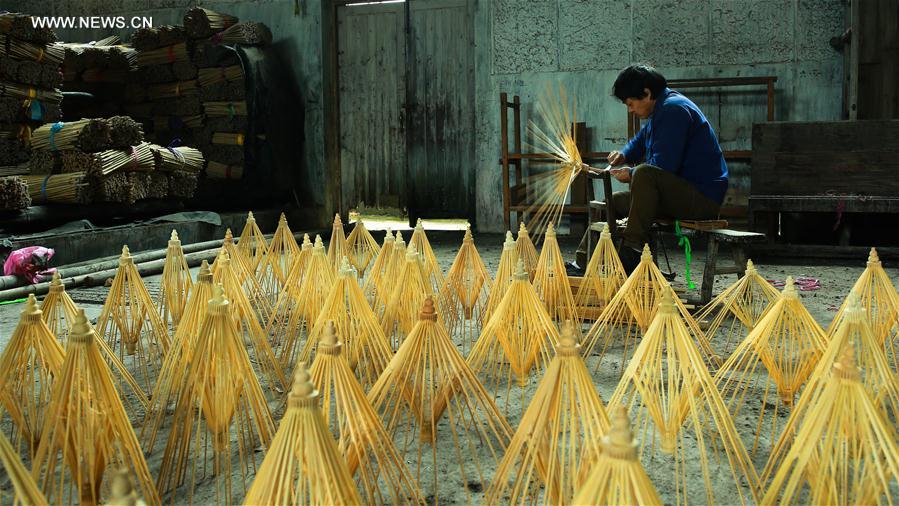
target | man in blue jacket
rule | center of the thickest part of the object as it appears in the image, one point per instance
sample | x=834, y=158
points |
x=674, y=164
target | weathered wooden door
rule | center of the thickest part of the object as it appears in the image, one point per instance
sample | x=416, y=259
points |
x=440, y=97
x=372, y=91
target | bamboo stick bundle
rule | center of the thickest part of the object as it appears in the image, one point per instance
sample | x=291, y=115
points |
x=31, y=361
x=145, y=39
x=603, y=275
x=124, y=132
x=24, y=50
x=630, y=312
x=410, y=291
x=220, y=109
x=40, y=75
x=845, y=451
x=551, y=281
x=246, y=319
x=246, y=33
x=25, y=27
x=177, y=158
x=176, y=283
x=182, y=184
x=86, y=428
x=878, y=296
x=50, y=97
x=57, y=188
x=58, y=310
x=375, y=280
x=776, y=358
x=669, y=390
x=466, y=290
x=206, y=53
x=222, y=394
x=167, y=54
x=224, y=91
x=159, y=185
x=520, y=336
x=295, y=314
x=362, y=247
x=105, y=75
x=111, y=188
x=853, y=330
x=200, y=23
x=503, y=280
x=138, y=186
x=367, y=349
x=428, y=393
x=432, y=272
x=303, y=464
x=85, y=134
x=14, y=194
x=252, y=244
x=14, y=170
x=272, y=272
x=381, y=474
x=130, y=324
x=617, y=477
x=525, y=250
x=213, y=75
x=172, y=381
x=24, y=489
x=558, y=436
x=172, y=90
x=737, y=310
x=337, y=246
x=16, y=110
x=289, y=298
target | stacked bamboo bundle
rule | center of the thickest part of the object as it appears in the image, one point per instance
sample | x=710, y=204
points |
x=102, y=68
x=14, y=194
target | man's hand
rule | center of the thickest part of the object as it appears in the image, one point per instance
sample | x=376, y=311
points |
x=616, y=158
x=622, y=174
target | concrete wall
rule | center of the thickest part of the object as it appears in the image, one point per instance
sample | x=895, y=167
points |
x=523, y=45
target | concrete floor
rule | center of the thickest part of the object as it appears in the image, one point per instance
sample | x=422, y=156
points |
x=835, y=283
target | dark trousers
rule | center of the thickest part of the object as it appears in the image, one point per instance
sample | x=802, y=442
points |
x=659, y=194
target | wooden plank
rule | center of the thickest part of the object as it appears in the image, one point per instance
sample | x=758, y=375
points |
x=791, y=203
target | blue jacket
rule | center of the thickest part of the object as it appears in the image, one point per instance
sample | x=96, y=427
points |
x=678, y=138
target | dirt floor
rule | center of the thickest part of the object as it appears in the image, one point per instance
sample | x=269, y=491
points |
x=835, y=282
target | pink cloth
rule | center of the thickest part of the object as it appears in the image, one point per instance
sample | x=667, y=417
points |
x=29, y=263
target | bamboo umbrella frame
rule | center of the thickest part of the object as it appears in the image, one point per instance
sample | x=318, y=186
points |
x=878, y=379
x=222, y=395
x=559, y=434
x=775, y=359
x=58, y=309
x=246, y=319
x=503, y=280
x=252, y=242
x=304, y=464
x=737, y=310
x=86, y=432
x=243, y=269
x=367, y=350
x=617, y=476
x=465, y=291
x=381, y=474
x=294, y=315
x=629, y=313
x=292, y=283
x=845, y=451
x=172, y=381
x=427, y=393
x=525, y=250
x=337, y=247
x=272, y=272
x=603, y=275
x=31, y=361
x=24, y=489
x=131, y=326
x=519, y=337
x=176, y=283
x=669, y=391
x=363, y=248
x=410, y=290
x=433, y=273
x=376, y=275
x=392, y=271
x=551, y=281
x=878, y=296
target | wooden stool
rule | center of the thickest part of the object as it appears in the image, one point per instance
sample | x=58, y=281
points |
x=737, y=240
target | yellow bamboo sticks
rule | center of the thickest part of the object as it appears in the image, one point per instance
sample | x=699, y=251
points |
x=24, y=489
x=272, y=272
x=558, y=437
x=551, y=281
x=252, y=242
x=410, y=290
x=303, y=465
x=362, y=248
x=376, y=280
x=58, y=309
x=465, y=292
x=337, y=247
x=244, y=271
x=603, y=276
x=176, y=283
x=432, y=271
x=427, y=393
x=86, y=429
x=526, y=251
x=380, y=472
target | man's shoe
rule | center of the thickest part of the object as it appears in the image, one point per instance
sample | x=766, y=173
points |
x=630, y=258
x=573, y=269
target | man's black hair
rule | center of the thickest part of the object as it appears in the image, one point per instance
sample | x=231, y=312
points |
x=631, y=82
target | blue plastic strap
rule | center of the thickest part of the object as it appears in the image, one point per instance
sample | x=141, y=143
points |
x=53, y=129
x=44, y=188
